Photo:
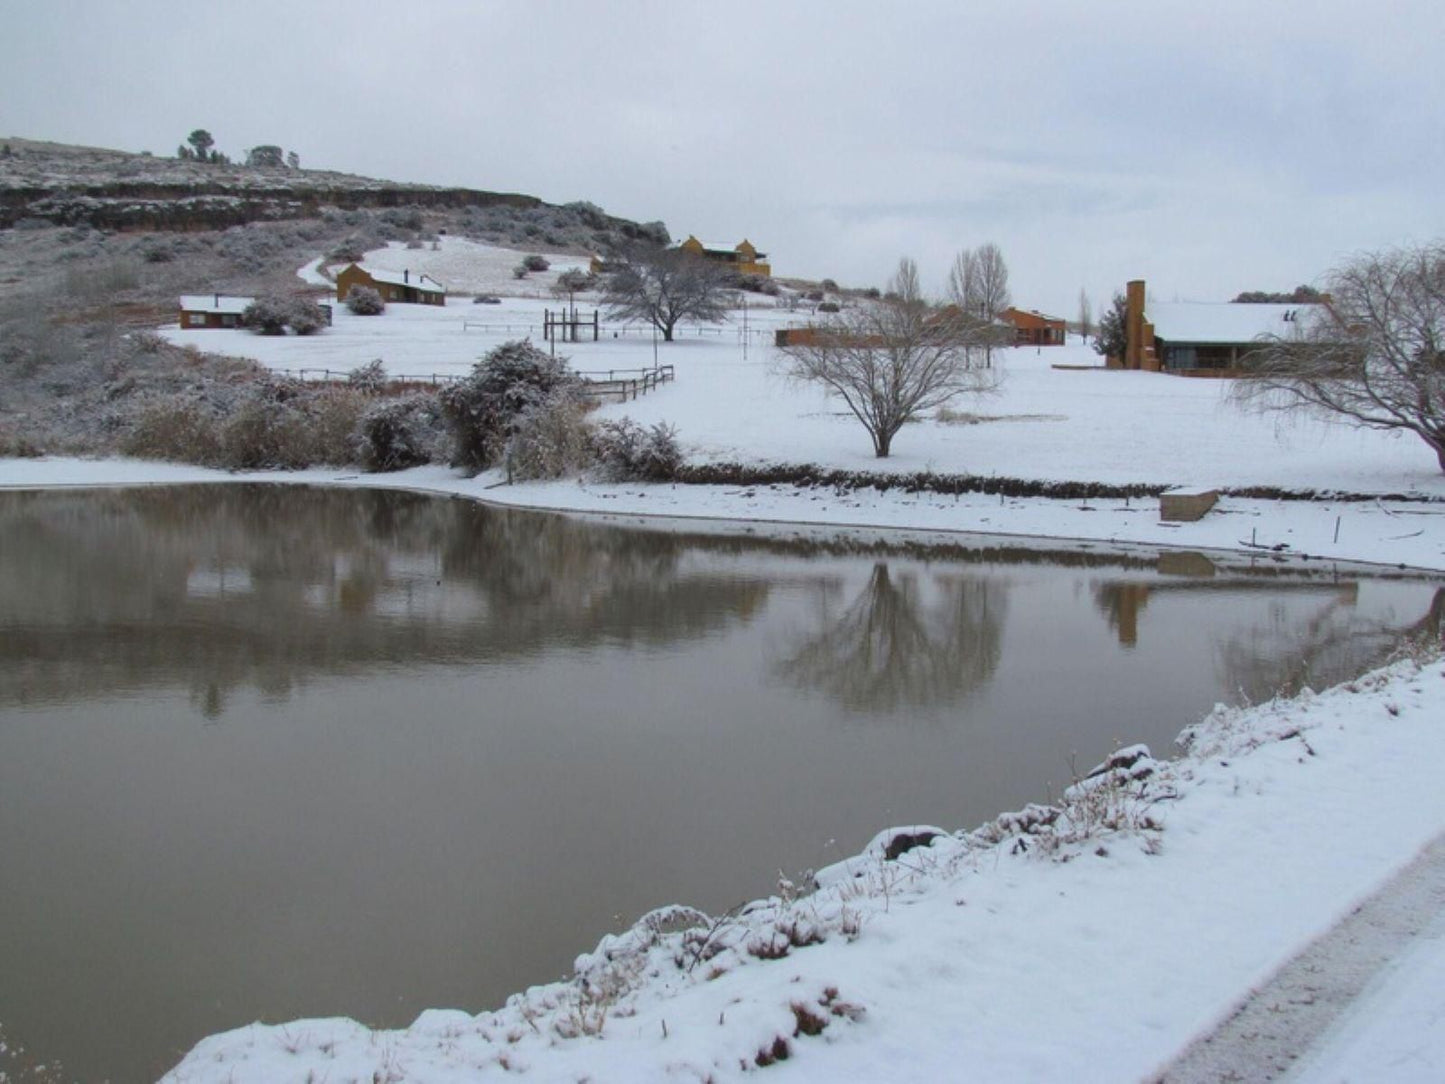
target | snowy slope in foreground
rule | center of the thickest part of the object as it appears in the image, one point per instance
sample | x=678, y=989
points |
x=1088, y=941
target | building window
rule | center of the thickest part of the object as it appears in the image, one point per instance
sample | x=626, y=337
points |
x=196, y=319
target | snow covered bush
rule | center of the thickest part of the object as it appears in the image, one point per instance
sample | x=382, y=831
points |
x=364, y=301
x=400, y=433
x=350, y=250
x=15, y=445
x=370, y=377
x=306, y=317
x=273, y=315
x=535, y=263
x=624, y=451
x=549, y=439
x=483, y=410
x=266, y=316
x=179, y=429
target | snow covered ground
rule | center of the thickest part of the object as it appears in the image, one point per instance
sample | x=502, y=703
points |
x=1093, y=940
x=732, y=404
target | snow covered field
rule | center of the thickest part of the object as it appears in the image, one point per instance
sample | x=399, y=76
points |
x=1092, y=943
x=1045, y=422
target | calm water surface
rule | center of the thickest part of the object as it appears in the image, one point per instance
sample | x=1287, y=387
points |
x=271, y=752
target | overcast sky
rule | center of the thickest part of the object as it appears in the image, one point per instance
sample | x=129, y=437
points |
x=1209, y=147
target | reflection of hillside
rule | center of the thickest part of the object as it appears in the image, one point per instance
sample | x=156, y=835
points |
x=211, y=588
x=889, y=648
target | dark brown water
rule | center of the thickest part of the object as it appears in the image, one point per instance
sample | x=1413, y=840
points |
x=273, y=752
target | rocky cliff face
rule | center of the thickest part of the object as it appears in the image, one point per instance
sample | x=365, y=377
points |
x=52, y=184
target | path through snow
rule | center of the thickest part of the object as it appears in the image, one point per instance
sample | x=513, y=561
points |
x=1298, y=1018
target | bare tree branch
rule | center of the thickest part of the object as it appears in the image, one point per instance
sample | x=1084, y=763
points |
x=662, y=286
x=891, y=360
x=1374, y=353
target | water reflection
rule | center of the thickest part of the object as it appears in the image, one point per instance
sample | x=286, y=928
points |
x=445, y=748
x=893, y=646
x=103, y=592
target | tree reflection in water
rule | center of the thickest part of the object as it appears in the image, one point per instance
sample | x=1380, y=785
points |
x=891, y=649
x=1286, y=654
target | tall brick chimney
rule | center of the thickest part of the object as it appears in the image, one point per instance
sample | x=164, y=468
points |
x=1134, y=325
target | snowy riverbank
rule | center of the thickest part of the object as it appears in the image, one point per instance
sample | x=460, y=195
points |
x=1028, y=950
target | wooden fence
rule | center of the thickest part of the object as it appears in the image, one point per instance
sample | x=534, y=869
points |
x=625, y=384
x=602, y=384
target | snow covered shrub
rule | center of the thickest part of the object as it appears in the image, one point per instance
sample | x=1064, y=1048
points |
x=520, y=271
x=158, y=252
x=266, y=432
x=400, y=433
x=364, y=301
x=483, y=409
x=350, y=250
x=535, y=263
x=177, y=429
x=14, y=445
x=370, y=377
x=549, y=439
x=305, y=316
x=267, y=315
x=828, y=306
x=251, y=247
x=626, y=452
x=273, y=315
x=332, y=413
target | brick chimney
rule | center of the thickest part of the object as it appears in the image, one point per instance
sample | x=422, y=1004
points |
x=1134, y=324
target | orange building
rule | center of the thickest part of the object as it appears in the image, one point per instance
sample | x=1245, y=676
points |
x=392, y=285
x=1032, y=328
x=212, y=310
x=742, y=258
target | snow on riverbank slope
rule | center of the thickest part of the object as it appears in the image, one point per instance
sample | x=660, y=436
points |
x=1087, y=941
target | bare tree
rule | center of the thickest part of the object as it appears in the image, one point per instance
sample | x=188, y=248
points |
x=572, y=282
x=892, y=648
x=1373, y=353
x=892, y=359
x=978, y=286
x=662, y=286
x=1086, y=315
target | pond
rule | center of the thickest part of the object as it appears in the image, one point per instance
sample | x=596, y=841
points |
x=271, y=752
